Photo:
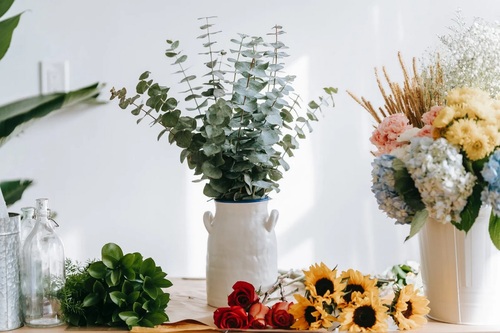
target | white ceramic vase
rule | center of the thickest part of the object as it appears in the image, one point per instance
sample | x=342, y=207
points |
x=241, y=246
x=461, y=272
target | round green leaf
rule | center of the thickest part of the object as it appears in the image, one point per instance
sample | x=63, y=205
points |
x=111, y=255
x=97, y=270
x=148, y=267
x=91, y=300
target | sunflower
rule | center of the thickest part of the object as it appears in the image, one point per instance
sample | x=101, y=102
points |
x=322, y=282
x=310, y=314
x=356, y=282
x=409, y=308
x=365, y=313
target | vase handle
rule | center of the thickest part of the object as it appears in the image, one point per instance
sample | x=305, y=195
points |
x=208, y=220
x=271, y=220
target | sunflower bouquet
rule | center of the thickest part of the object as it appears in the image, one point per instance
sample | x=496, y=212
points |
x=352, y=301
x=437, y=137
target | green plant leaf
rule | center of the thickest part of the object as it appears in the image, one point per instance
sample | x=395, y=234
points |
x=156, y=318
x=117, y=297
x=98, y=288
x=471, y=210
x=148, y=267
x=91, y=300
x=4, y=6
x=7, y=28
x=405, y=186
x=114, y=278
x=13, y=189
x=127, y=261
x=417, y=222
x=14, y=116
x=129, y=317
x=133, y=297
x=150, y=288
x=97, y=270
x=111, y=255
x=494, y=230
x=211, y=170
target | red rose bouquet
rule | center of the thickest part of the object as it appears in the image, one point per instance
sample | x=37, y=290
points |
x=247, y=310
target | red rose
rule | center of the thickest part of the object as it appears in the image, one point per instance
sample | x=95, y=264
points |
x=231, y=317
x=243, y=295
x=257, y=316
x=278, y=316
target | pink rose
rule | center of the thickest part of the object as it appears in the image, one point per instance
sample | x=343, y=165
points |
x=279, y=317
x=430, y=115
x=388, y=131
x=257, y=316
x=426, y=131
x=231, y=317
x=243, y=295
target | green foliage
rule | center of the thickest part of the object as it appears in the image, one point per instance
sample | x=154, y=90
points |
x=119, y=290
x=244, y=122
x=494, y=230
x=13, y=189
x=7, y=26
x=14, y=116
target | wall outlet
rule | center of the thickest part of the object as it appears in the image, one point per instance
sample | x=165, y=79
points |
x=54, y=76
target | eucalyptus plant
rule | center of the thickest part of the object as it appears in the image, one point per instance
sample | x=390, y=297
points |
x=119, y=290
x=245, y=119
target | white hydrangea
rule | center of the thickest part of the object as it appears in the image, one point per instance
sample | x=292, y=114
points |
x=444, y=185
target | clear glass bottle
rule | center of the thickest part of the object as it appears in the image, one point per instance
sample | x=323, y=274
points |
x=42, y=274
x=27, y=222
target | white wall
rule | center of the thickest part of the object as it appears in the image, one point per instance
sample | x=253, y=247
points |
x=110, y=180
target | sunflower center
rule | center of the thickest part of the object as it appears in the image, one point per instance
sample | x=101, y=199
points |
x=323, y=285
x=350, y=288
x=308, y=314
x=408, y=312
x=364, y=316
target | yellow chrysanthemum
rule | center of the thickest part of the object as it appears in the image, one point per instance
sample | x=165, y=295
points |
x=356, y=282
x=410, y=308
x=466, y=94
x=478, y=147
x=321, y=281
x=365, y=313
x=310, y=315
x=444, y=117
x=460, y=131
x=493, y=135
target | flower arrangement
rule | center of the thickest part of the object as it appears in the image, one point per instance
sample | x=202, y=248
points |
x=348, y=300
x=437, y=139
x=245, y=119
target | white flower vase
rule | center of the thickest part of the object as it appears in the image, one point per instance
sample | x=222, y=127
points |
x=461, y=272
x=241, y=246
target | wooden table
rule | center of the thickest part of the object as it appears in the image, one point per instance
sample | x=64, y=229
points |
x=188, y=301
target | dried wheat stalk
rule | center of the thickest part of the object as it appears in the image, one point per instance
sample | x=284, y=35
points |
x=413, y=98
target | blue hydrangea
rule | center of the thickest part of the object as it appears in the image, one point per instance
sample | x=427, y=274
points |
x=491, y=174
x=439, y=175
x=387, y=197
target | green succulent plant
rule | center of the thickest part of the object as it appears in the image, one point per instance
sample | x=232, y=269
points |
x=245, y=120
x=119, y=290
